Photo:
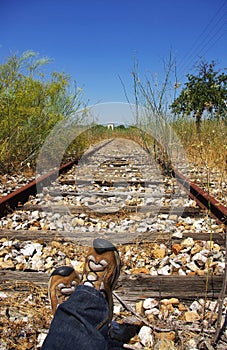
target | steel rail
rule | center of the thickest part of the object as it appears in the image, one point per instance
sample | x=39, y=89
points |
x=217, y=210
x=12, y=200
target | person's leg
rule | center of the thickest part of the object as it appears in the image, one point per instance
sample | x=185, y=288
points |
x=83, y=320
x=80, y=322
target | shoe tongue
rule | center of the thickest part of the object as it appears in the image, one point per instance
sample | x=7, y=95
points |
x=102, y=245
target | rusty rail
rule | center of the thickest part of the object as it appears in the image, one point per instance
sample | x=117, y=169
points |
x=217, y=210
x=12, y=200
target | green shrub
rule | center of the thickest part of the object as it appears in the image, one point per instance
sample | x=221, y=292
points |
x=30, y=106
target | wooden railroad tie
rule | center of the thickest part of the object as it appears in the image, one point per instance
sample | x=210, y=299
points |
x=130, y=288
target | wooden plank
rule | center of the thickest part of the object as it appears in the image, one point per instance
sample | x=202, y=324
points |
x=20, y=280
x=85, y=238
x=131, y=287
x=105, y=194
x=102, y=210
x=139, y=287
x=111, y=182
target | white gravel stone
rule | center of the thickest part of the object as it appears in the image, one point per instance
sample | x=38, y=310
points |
x=3, y=295
x=30, y=248
x=200, y=259
x=35, y=214
x=52, y=226
x=195, y=306
x=153, y=272
x=145, y=336
x=174, y=264
x=40, y=340
x=188, y=242
x=150, y=303
x=165, y=270
x=181, y=272
x=177, y=234
x=117, y=309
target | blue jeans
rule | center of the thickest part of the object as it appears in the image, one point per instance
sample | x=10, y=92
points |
x=79, y=323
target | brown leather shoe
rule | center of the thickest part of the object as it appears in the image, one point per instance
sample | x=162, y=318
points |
x=102, y=269
x=62, y=283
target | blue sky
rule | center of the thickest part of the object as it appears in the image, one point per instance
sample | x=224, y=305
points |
x=96, y=41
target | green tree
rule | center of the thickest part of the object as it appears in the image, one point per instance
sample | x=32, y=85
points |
x=206, y=91
x=30, y=105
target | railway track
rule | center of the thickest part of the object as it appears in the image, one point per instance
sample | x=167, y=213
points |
x=171, y=240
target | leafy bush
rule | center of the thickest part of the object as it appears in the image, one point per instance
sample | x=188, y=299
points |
x=30, y=105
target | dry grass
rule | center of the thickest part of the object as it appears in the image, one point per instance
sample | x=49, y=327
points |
x=23, y=317
x=206, y=154
x=210, y=148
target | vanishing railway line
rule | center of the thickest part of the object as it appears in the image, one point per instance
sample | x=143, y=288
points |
x=116, y=192
x=112, y=182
